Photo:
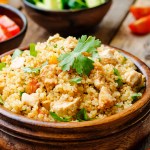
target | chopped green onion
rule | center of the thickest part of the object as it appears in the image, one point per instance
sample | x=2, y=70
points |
x=1, y=100
x=21, y=92
x=116, y=72
x=33, y=52
x=24, y=109
x=119, y=80
x=2, y=65
x=44, y=64
x=136, y=96
x=82, y=115
x=55, y=46
x=57, y=118
x=76, y=80
x=16, y=53
x=32, y=70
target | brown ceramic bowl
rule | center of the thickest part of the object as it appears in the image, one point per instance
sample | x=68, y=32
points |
x=68, y=22
x=119, y=131
x=20, y=20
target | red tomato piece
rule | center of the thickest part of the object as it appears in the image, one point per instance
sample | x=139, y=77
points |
x=3, y=37
x=13, y=30
x=141, y=26
x=10, y=27
x=6, y=22
x=139, y=12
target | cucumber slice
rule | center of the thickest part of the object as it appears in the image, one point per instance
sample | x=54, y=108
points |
x=41, y=5
x=53, y=4
x=94, y=3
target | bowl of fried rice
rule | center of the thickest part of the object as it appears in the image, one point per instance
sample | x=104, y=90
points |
x=72, y=93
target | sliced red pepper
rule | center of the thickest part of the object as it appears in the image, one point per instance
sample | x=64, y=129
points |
x=139, y=12
x=141, y=26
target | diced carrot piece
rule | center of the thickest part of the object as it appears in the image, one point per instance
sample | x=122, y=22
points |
x=53, y=60
x=32, y=86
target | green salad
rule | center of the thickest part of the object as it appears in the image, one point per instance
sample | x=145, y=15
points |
x=66, y=4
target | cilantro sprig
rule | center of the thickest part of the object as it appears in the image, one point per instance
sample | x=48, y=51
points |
x=76, y=60
x=59, y=119
x=119, y=80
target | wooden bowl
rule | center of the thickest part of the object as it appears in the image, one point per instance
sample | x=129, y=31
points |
x=68, y=22
x=20, y=20
x=119, y=131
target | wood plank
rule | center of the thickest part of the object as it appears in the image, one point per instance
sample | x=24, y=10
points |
x=109, y=26
x=137, y=45
x=105, y=32
x=35, y=33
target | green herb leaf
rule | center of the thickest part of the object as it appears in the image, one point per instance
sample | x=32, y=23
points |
x=82, y=115
x=140, y=88
x=57, y=118
x=24, y=109
x=118, y=105
x=136, y=96
x=44, y=64
x=96, y=55
x=116, y=72
x=119, y=80
x=55, y=46
x=76, y=80
x=2, y=65
x=32, y=70
x=86, y=67
x=75, y=59
x=1, y=100
x=21, y=92
x=33, y=52
x=35, y=70
x=16, y=53
x=124, y=60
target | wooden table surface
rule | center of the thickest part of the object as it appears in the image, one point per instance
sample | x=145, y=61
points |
x=113, y=30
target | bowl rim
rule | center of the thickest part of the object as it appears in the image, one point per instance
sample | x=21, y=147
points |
x=126, y=112
x=64, y=10
x=21, y=16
